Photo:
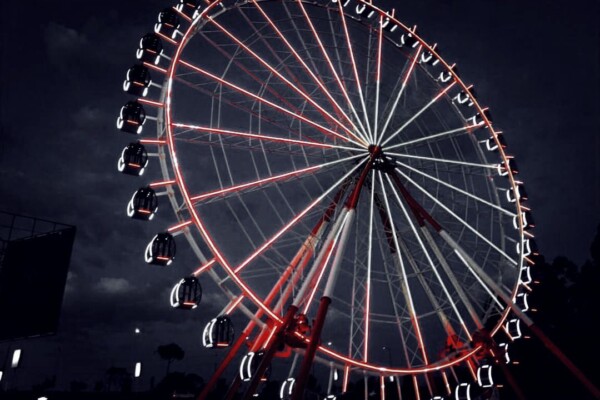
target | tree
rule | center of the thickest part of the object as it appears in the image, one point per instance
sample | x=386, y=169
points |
x=118, y=378
x=169, y=353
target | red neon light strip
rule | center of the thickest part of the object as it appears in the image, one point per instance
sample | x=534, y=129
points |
x=378, y=75
x=153, y=141
x=168, y=39
x=179, y=226
x=204, y=267
x=416, y=385
x=270, y=103
x=155, y=67
x=271, y=333
x=308, y=70
x=446, y=383
x=285, y=80
x=234, y=304
x=163, y=183
x=150, y=102
x=259, y=137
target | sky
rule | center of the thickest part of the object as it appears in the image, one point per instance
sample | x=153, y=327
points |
x=535, y=64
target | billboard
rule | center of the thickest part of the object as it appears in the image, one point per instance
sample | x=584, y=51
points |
x=33, y=274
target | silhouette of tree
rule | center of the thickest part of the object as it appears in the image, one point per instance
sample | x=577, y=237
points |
x=119, y=379
x=170, y=352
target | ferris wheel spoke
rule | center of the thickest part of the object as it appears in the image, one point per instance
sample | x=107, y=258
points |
x=378, y=78
x=369, y=270
x=308, y=70
x=288, y=83
x=459, y=190
x=261, y=137
x=388, y=275
x=486, y=282
x=407, y=75
x=444, y=160
x=331, y=66
x=355, y=69
x=405, y=286
x=417, y=114
x=261, y=183
x=434, y=136
x=459, y=219
x=449, y=297
x=322, y=129
x=452, y=277
x=267, y=244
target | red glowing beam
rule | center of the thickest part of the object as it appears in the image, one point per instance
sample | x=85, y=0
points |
x=155, y=67
x=150, y=102
x=179, y=227
x=234, y=304
x=204, y=267
x=153, y=141
x=162, y=183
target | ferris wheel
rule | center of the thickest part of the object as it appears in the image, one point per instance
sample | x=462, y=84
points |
x=342, y=185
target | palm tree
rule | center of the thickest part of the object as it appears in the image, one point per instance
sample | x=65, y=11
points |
x=169, y=353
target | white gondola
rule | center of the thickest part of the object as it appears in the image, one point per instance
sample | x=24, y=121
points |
x=513, y=328
x=462, y=391
x=521, y=301
x=485, y=377
x=143, y=204
x=133, y=160
x=218, y=333
x=168, y=23
x=250, y=364
x=186, y=294
x=161, y=249
x=286, y=390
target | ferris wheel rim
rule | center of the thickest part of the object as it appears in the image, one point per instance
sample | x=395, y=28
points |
x=180, y=182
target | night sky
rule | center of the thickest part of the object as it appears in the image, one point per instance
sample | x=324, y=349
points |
x=535, y=64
